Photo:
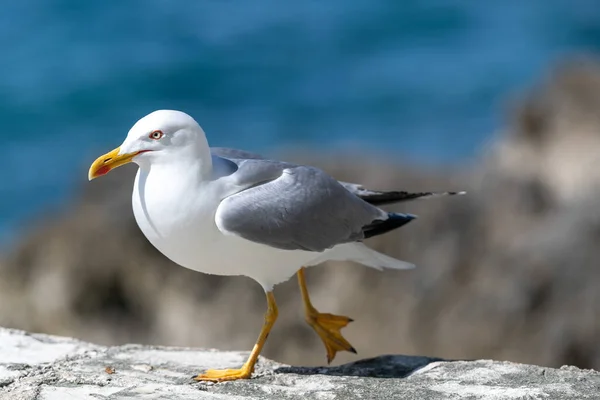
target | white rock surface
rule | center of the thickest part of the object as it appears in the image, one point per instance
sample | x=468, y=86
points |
x=42, y=367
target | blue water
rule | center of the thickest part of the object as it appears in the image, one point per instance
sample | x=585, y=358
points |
x=419, y=80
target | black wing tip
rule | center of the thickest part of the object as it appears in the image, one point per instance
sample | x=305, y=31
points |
x=383, y=198
x=394, y=221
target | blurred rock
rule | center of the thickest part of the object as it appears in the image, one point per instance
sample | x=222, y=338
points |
x=508, y=272
x=50, y=367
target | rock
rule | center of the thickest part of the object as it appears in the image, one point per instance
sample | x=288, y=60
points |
x=42, y=367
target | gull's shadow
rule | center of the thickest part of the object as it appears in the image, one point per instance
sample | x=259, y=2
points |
x=388, y=366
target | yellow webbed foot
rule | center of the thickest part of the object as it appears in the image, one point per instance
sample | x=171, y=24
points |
x=328, y=327
x=221, y=375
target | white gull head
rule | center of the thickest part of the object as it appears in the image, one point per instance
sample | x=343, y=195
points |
x=163, y=136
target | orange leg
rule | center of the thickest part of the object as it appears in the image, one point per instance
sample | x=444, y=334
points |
x=327, y=326
x=219, y=375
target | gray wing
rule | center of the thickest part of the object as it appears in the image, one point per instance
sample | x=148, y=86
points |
x=293, y=207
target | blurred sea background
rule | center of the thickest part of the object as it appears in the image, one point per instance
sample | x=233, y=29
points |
x=417, y=80
x=425, y=95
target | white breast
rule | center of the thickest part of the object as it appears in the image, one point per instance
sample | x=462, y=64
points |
x=178, y=218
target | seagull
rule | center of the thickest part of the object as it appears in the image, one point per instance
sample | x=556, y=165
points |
x=231, y=212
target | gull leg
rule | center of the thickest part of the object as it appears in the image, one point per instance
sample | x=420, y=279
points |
x=219, y=375
x=327, y=326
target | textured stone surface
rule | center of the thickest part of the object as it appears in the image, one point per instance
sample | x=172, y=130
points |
x=42, y=367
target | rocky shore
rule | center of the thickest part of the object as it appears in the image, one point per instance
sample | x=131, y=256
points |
x=42, y=367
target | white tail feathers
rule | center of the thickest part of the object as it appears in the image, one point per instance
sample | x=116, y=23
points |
x=360, y=253
x=381, y=260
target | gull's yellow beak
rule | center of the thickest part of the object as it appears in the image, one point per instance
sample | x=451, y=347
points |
x=109, y=161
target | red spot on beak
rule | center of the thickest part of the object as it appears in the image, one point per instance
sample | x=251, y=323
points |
x=103, y=170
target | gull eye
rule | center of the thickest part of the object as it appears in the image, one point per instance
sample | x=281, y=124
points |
x=155, y=135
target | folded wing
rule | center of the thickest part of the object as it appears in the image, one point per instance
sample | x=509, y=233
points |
x=294, y=207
